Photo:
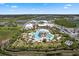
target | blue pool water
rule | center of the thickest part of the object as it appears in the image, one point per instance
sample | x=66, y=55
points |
x=48, y=36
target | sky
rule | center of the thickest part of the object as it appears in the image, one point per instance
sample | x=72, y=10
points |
x=39, y=8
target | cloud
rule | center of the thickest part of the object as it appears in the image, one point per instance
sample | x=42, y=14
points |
x=67, y=6
x=34, y=9
x=12, y=10
x=4, y=4
x=7, y=5
x=14, y=6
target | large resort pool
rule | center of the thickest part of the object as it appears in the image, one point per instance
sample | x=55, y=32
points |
x=42, y=34
x=41, y=30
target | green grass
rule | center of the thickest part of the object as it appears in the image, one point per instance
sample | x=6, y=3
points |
x=7, y=32
x=66, y=23
x=77, y=23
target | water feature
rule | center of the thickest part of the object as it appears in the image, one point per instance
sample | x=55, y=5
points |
x=41, y=34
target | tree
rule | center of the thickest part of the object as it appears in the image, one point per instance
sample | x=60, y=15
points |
x=66, y=23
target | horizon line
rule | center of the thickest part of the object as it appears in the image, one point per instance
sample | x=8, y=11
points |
x=39, y=14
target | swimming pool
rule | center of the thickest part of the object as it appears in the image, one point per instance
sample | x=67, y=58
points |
x=42, y=33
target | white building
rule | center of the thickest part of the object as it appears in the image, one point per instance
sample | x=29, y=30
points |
x=28, y=26
x=46, y=24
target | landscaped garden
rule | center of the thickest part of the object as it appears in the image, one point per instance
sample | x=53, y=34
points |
x=18, y=43
x=15, y=38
